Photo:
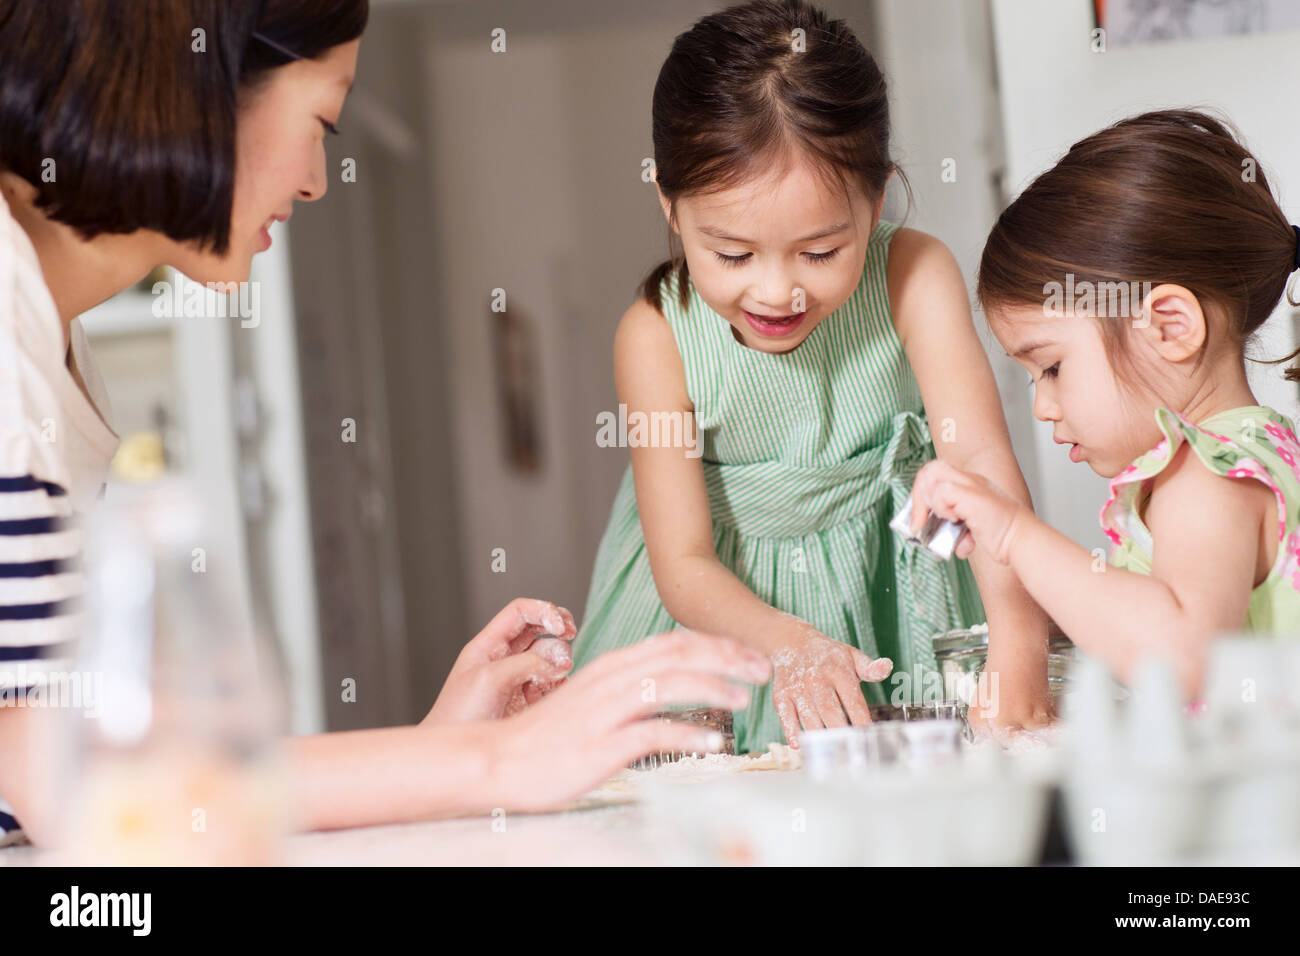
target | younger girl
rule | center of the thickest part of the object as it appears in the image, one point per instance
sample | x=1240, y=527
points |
x=1204, y=507
x=812, y=345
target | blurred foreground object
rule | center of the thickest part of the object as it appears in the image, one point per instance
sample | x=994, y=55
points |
x=1154, y=781
x=172, y=764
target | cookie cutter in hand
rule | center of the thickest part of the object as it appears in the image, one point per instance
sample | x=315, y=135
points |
x=938, y=535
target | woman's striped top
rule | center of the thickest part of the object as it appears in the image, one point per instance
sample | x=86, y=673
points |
x=55, y=447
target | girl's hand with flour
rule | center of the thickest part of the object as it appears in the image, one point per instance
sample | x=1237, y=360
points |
x=815, y=681
x=991, y=516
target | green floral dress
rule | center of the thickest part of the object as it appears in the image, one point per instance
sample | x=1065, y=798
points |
x=1248, y=442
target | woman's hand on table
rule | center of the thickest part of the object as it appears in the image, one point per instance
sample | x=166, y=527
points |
x=521, y=656
x=816, y=680
x=602, y=719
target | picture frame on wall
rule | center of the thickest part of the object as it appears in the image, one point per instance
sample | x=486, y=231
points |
x=1131, y=22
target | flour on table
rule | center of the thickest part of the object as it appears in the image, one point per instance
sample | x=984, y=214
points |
x=1019, y=740
x=706, y=767
x=778, y=757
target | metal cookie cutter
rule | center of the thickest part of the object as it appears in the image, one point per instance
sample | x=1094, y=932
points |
x=711, y=718
x=938, y=535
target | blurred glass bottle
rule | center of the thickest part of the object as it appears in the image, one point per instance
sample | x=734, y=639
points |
x=174, y=763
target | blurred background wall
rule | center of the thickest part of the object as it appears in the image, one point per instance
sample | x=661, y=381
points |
x=371, y=546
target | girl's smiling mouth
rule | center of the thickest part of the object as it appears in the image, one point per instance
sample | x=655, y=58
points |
x=774, y=326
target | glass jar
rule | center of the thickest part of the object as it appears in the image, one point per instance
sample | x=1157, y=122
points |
x=962, y=653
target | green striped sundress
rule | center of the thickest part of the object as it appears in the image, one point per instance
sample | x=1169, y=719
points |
x=806, y=456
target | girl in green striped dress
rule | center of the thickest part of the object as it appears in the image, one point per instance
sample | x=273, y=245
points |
x=780, y=378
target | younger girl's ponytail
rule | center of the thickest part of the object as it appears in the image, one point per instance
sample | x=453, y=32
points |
x=1293, y=373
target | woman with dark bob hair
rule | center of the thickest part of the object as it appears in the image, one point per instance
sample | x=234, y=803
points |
x=137, y=133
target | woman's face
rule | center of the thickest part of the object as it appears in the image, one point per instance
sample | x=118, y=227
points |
x=280, y=157
x=775, y=257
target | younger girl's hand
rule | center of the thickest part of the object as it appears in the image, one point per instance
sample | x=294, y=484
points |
x=509, y=665
x=815, y=682
x=989, y=514
x=1010, y=698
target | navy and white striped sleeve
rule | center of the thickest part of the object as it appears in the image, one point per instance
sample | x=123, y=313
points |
x=11, y=831
x=40, y=580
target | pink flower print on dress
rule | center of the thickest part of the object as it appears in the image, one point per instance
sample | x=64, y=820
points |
x=1288, y=449
x=1291, y=567
x=1282, y=434
x=1123, y=477
x=1222, y=438
x=1251, y=468
x=1203, y=431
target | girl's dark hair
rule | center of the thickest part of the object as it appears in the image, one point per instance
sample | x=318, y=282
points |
x=136, y=108
x=737, y=93
x=1168, y=196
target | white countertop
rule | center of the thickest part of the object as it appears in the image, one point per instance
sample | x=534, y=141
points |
x=606, y=836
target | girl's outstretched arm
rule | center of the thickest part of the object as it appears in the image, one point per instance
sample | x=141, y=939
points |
x=815, y=680
x=1207, y=560
x=931, y=311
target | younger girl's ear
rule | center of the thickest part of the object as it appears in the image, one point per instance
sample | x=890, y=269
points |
x=1172, y=322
